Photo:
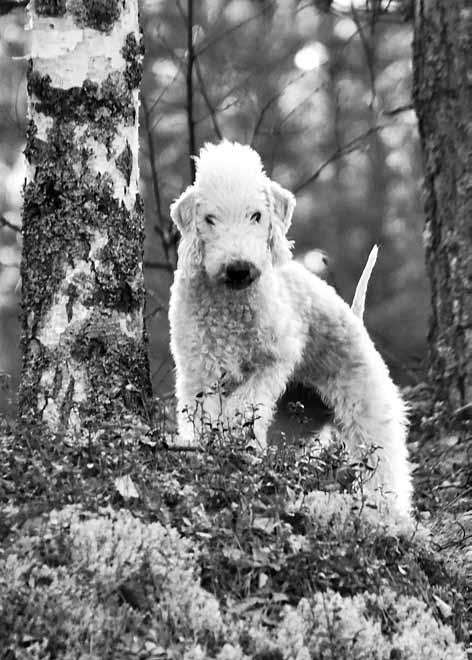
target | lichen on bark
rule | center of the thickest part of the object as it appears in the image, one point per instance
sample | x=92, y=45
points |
x=133, y=52
x=50, y=7
x=97, y=14
x=124, y=163
x=101, y=106
x=85, y=364
x=61, y=227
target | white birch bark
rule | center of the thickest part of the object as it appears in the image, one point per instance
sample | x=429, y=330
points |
x=83, y=334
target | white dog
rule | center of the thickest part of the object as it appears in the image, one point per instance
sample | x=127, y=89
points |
x=246, y=319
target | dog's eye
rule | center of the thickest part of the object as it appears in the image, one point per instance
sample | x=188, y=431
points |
x=255, y=217
x=210, y=220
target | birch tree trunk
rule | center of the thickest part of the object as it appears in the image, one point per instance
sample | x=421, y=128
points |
x=442, y=63
x=85, y=364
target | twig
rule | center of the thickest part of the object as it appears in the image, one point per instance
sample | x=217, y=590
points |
x=159, y=265
x=269, y=103
x=466, y=407
x=153, y=312
x=206, y=98
x=6, y=223
x=164, y=226
x=385, y=15
x=222, y=108
x=397, y=111
x=348, y=148
x=368, y=50
x=179, y=448
x=226, y=33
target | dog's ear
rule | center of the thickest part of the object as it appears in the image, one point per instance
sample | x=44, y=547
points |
x=284, y=204
x=181, y=211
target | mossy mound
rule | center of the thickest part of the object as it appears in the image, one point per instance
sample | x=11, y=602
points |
x=133, y=550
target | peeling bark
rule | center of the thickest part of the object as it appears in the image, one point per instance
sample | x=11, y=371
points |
x=442, y=65
x=85, y=364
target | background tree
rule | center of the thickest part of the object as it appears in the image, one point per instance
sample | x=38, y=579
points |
x=443, y=102
x=330, y=112
x=83, y=345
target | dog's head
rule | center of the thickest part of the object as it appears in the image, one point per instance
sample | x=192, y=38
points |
x=233, y=219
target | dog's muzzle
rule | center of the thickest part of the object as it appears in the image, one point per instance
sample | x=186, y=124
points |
x=240, y=274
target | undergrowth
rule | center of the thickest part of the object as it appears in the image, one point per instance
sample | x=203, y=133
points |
x=131, y=549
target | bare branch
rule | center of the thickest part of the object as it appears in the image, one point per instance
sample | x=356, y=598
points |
x=348, y=148
x=267, y=7
x=238, y=89
x=163, y=91
x=289, y=114
x=393, y=12
x=6, y=223
x=164, y=362
x=162, y=227
x=154, y=175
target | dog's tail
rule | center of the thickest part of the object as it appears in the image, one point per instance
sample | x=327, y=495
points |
x=358, y=304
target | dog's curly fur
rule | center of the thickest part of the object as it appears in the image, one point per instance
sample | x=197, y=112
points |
x=283, y=323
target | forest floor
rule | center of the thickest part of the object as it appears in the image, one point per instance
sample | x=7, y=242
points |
x=126, y=549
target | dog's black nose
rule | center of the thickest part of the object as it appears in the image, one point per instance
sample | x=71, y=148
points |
x=240, y=274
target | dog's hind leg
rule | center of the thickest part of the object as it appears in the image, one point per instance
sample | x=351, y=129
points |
x=342, y=364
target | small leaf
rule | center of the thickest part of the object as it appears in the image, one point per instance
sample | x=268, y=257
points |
x=262, y=580
x=444, y=608
x=279, y=597
x=145, y=440
x=233, y=554
x=247, y=604
x=264, y=524
x=126, y=488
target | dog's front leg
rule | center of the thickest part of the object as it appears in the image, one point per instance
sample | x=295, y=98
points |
x=249, y=408
x=199, y=414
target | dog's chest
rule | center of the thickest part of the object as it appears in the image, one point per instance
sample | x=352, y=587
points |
x=234, y=338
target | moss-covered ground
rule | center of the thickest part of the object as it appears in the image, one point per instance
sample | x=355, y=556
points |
x=129, y=549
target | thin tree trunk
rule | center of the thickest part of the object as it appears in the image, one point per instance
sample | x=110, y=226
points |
x=189, y=89
x=443, y=100
x=85, y=364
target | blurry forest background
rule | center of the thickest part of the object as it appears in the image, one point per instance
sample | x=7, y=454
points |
x=326, y=100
